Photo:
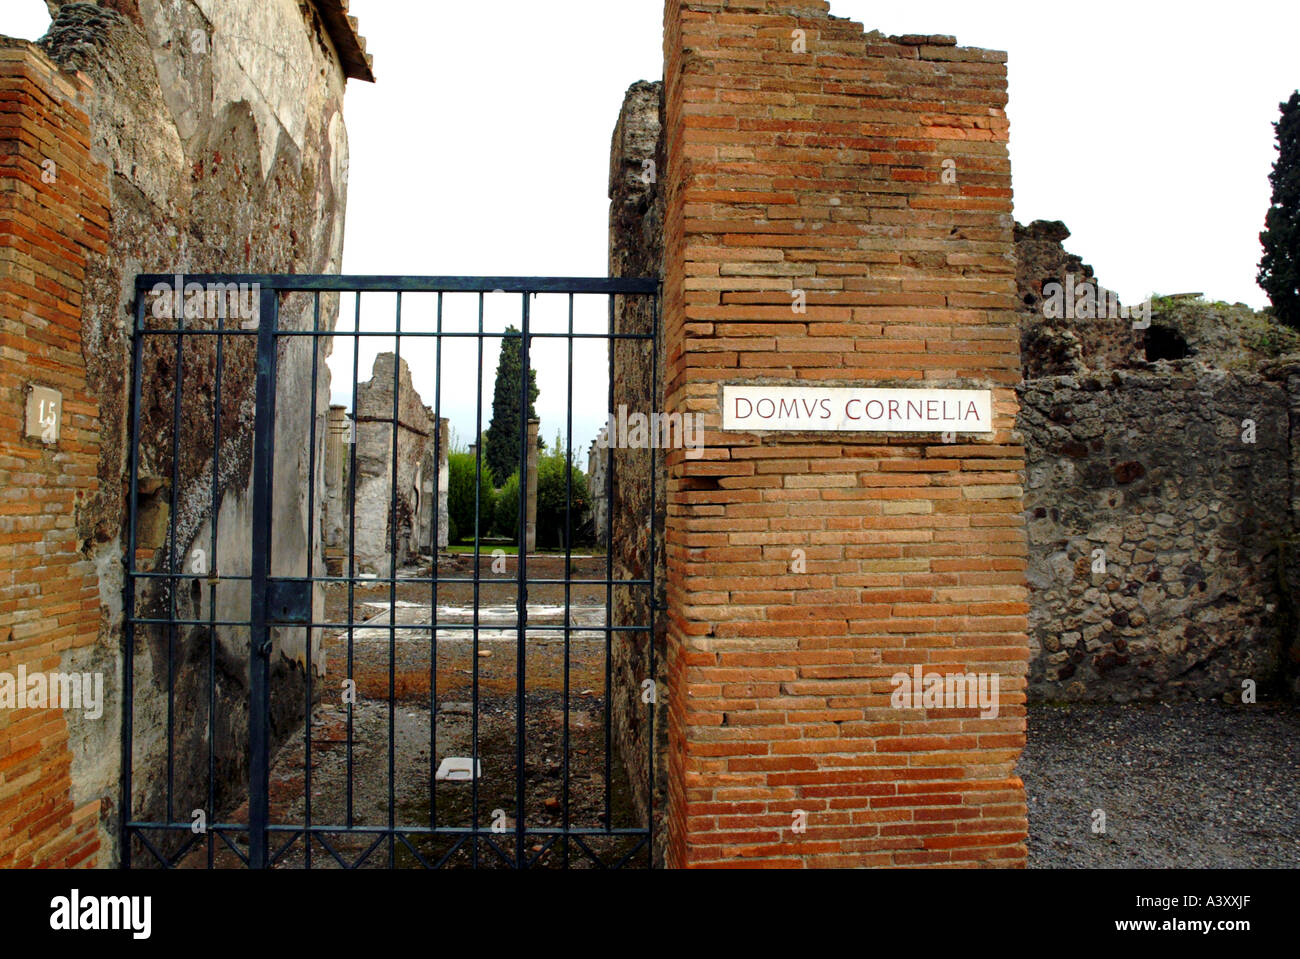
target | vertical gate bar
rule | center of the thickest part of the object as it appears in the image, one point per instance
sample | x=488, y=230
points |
x=478, y=523
x=128, y=599
x=433, y=572
x=654, y=580
x=259, y=636
x=609, y=576
x=568, y=578
x=213, y=573
x=352, y=543
x=521, y=595
x=392, y=597
x=173, y=580
x=312, y=538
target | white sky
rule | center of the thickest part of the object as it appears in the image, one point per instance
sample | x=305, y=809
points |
x=484, y=147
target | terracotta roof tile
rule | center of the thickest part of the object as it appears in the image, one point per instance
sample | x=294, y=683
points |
x=345, y=32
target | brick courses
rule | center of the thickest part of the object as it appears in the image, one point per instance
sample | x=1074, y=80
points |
x=49, y=601
x=822, y=171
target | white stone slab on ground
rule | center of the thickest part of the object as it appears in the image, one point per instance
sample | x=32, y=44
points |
x=458, y=769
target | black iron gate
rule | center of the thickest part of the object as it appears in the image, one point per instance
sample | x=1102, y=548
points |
x=276, y=709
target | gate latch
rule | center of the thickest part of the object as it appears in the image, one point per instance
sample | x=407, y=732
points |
x=288, y=602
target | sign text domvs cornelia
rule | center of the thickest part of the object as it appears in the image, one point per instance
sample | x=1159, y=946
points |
x=848, y=409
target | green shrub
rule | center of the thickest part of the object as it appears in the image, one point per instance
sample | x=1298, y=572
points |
x=460, y=498
x=551, y=494
x=507, y=510
x=551, y=500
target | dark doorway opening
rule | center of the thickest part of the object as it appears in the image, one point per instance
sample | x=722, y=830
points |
x=1166, y=343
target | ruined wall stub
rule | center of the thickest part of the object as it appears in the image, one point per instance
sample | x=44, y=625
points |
x=410, y=502
x=1076, y=342
x=224, y=156
x=433, y=526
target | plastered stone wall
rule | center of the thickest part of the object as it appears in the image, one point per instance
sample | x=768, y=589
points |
x=220, y=122
x=410, y=502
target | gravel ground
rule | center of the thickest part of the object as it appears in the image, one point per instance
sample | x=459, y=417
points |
x=1192, y=785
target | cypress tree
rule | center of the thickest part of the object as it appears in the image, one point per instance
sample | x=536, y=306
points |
x=501, y=449
x=1279, y=270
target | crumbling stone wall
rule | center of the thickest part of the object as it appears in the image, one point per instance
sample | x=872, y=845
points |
x=1286, y=372
x=1229, y=336
x=220, y=122
x=1135, y=437
x=378, y=502
x=1064, y=345
x=1180, y=326
x=1155, y=524
x=636, y=219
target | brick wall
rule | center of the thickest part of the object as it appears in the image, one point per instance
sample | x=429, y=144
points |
x=822, y=171
x=51, y=219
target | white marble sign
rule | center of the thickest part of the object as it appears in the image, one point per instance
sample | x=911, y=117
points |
x=848, y=409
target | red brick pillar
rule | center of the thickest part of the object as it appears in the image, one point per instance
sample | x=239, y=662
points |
x=839, y=214
x=53, y=213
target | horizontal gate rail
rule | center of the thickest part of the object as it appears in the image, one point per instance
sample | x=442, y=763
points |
x=291, y=282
